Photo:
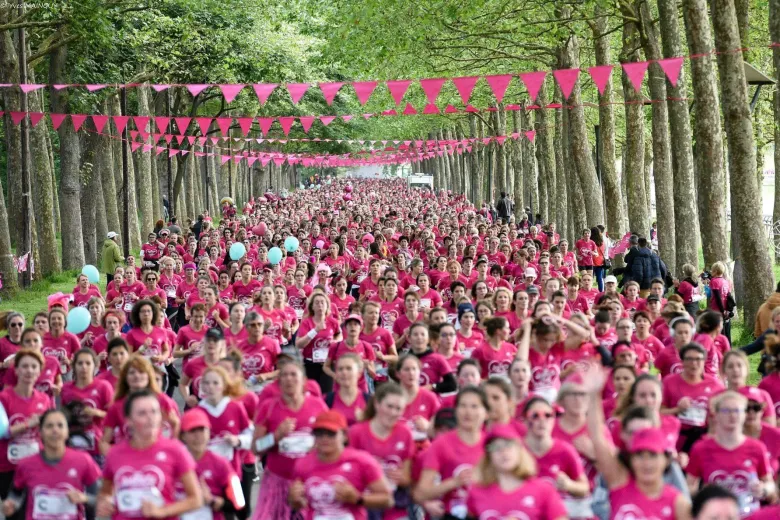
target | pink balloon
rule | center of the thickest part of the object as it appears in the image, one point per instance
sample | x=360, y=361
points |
x=347, y=196
x=368, y=237
x=319, y=244
x=260, y=229
x=348, y=188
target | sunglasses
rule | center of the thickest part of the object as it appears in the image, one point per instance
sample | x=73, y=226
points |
x=755, y=408
x=323, y=433
x=538, y=415
x=17, y=324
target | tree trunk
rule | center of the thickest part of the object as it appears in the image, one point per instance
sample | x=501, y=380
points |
x=54, y=187
x=546, y=146
x=529, y=166
x=579, y=216
x=648, y=173
x=613, y=197
x=541, y=168
x=686, y=224
x=501, y=163
x=10, y=280
x=109, y=185
x=517, y=166
x=156, y=200
x=745, y=212
x=11, y=100
x=143, y=161
x=561, y=173
x=90, y=171
x=135, y=233
x=774, y=34
x=479, y=153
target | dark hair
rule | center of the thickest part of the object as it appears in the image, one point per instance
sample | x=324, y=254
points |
x=707, y=493
x=468, y=362
x=134, y=396
x=388, y=388
x=474, y=390
x=502, y=384
x=601, y=316
x=51, y=411
x=628, y=400
x=636, y=412
x=116, y=343
x=135, y=314
x=494, y=324
x=88, y=351
x=709, y=321
x=532, y=401
x=692, y=346
x=596, y=236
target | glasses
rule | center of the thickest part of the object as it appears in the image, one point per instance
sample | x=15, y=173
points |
x=151, y=279
x=537, y=415
x=253, y=325
x=755, y=408
x=694, y=359
x=323, y=433
x=17, y=324
x=447, y=335
x=729, y=411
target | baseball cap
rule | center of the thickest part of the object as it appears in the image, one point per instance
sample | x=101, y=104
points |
x=610, y=279
x=501, y=431
x=648, y=439
x=331, y=421
x=353, y=317
x=653, y=298
x=194, y=419
x=532, y=290
x=112, y=234
x=530, y=272
x=164, y=232
x=215, y=334
x=621, y=348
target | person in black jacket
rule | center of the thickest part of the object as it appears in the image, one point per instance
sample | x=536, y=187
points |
x=504, y=207
x=643, y=266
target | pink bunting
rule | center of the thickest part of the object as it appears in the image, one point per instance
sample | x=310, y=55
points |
x=671, y=67
x=499, y=84
x=398, y=88
x=306, y=122
x=600, y=76
x=450, y=110
x=119, y=121
x=77, y=120
x=182, y=123
x=60, y=87
x=279, y=161
x=297, y=90
x=367, y=116
x=93, y=88
x=263, y=90
x=230, y=91
x=326, y=120
x=224, y=158
x=196, y=89
x=160, y=88
x=135, y=146
x=224, y=124
x=636, y=73
x=530, y=135
x=346, y=118
x=431, y=108
x=363, y=90
x=470, y=108
x=16, y=117
x=432, y=87
x=99, y=122
x=265, y=124
x=286, y=124
x=465, y=85
x=161, y=122
x=533, y=82
x=29, y=87
x=141, y=122
x=566, y=79
x=204, y=123
x=329, y=91
x=246, y=124
x=35, y=117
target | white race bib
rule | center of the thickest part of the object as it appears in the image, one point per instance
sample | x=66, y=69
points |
x=221, y=448
x=130, y=500
x=296, y=445
x=171, y=293
x=21, y=449
x=128, y=306
x=319, y=355
x=578, y=507
x=52, y=504
x=694, y=416
x=299, y=313
x=333, y=516
x=425, y=303
x=202, y=513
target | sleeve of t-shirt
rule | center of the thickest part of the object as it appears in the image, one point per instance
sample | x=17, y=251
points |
x=431, y=460
x=764, y=466
x=305, y=328
x=184, y=461
x=332, y=351
x=444, y=368
x=371, y=471
x=436, y=300
x=91, y=471
x=397, y=328
x=694, y=462
x=369, y=352
x=553, y=506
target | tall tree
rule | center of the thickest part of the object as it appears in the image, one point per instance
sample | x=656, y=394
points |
x=144, y=168
x=774, y=33
x=545, y=133
x=746, y=214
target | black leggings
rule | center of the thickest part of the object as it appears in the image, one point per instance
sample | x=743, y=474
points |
x=248, y=474
x=315, y=372
x=6, y=483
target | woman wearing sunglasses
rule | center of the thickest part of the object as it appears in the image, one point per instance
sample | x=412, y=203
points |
x=734, y=371
x=11, y=342
x=507, y=486
x=334, y=481
x=756, y=428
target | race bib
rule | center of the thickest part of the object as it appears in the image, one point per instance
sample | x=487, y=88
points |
x=299, y=313
x=334, y=516
x=425, y=303
x=130, y=500
x=694, y=416
x=417, y=435
x=578, y=507
x=202, y=513
x=221, y=448
x=381, y=369
x=296, y=445
x=319, y=355
x=22, y=449
x=52, y=504
x=128, y=306
x=171, y=292
x=458, y=509
x=549, y=393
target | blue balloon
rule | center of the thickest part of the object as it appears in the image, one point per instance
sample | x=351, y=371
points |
x=237, y=251
x=274, y=255
x=291, y=244
x=3, y=422
x=91, y=273
x=78, y=320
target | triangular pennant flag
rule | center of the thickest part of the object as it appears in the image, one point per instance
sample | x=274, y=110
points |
x=566, y=79
x=160, y=88
x=297, y=90
x=246, y=124
x=99, y=122
x=432, y=87
x=279, y=160
x=16, y=117
x=398, y=88
x=346, y=118
x=636, y=73
x=465, y=86
x=533, y=82
x=470, y=108
x=204, y=123
x=251, y=160
x=141, y=122
x=409, y=110
x=600, y=76
x=263, y=90
x=224, y=124
x=530, y=135
x=93, y=88
x=182, y=123
x=363, y=90
x=431, y=108
x=326, y=120
x=500, y=139
x=184, y=152
x=329, y=91
x=196, y=89
x=190, y=139
x=60, y=87
x=265, y=124
x=29, y=87
x=230, y=91
x=120, y=122
x=135, y=146
x=77, y=120
x=498, y=84
x=172, y=152
x=224, y=158
x=162, y=123
x=391, y=112
x=367, y=116
x=671, y=67
x=286, y=124
x=306, y=122
x=35, y=117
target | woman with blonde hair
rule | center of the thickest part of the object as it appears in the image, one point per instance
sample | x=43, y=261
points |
x=734, y=371
x=506, y=485
x=720, y=289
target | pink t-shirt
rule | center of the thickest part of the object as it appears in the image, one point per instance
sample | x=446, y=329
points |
x=651, y=344
x=351, y=412
x=216, y=472
x=675, y=388
x=98, y=395
x=771, y=384
x=169, y=285
x=389, y=312
x=273, y=391
x=668, y=361
x=233, y=340
x=494, y=362
x=188, y=337
x=194, y=371
x=19, y=410
x=629, y=502
x=425, y=404
x=283, y=454
x=96, y=331
x=228, y=417
x=467, y=345
x=62, y=347
x=534, y=499
x=434, y=368
x=362, y=349
x=81, y=300
x=430, y=299
x=243, y=293
x=158, y=338
x=44, y=482
x=317, y=349
x=135, y=474
x=222, y=312
x=355, y=467
x=368, y=288
x=733, y=469
x=276, y=318
x=115, y=418
x=586, y=250
x=449, y=456
x=45, y=382
x=761, y=396
x=545, y=373
x=341, y=306
x=561, y=457
x=260, y=357
x=721, y=285
x=380, y=340
x=578, y=358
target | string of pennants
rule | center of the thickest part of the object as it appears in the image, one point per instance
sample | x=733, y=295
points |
x=432, y=87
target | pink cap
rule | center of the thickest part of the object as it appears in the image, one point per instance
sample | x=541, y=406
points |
x=190, y=265
x=194, y=419
x=649, y=439
x=502, y=431
x=622, y=348
x=354, y=317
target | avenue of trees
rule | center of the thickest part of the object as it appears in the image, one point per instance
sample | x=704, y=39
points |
x=686, y=156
